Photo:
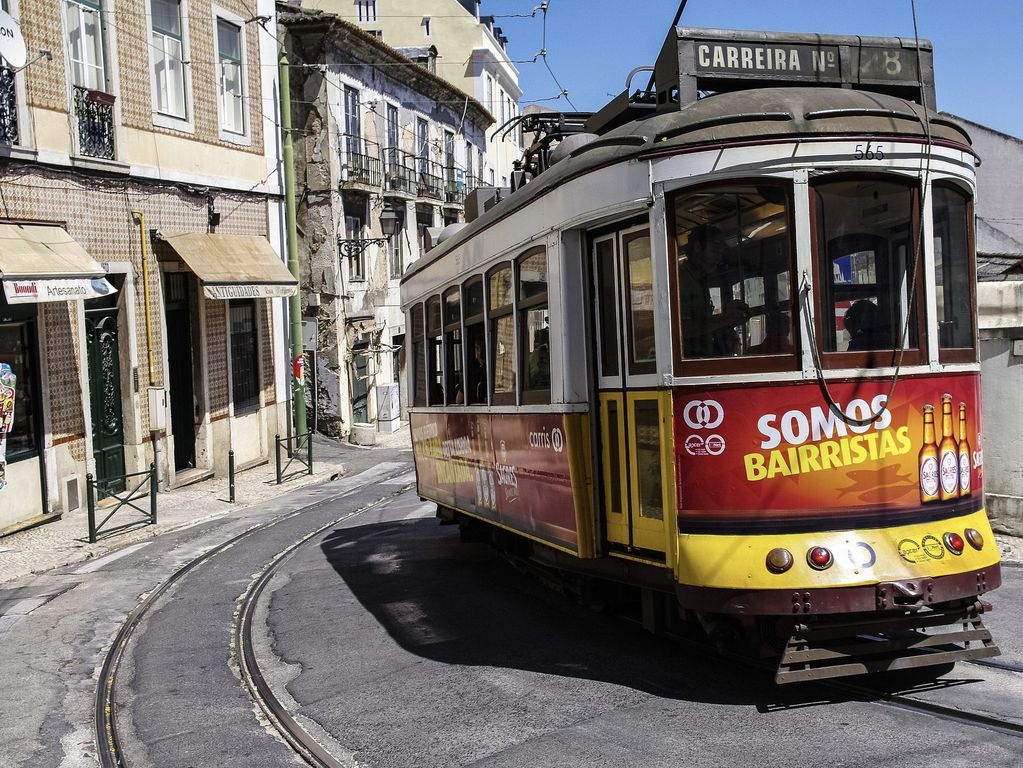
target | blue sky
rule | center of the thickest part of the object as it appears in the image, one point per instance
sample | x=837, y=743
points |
x=593, y=44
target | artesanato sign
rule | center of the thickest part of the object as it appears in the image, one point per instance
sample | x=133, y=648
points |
x=36, y=291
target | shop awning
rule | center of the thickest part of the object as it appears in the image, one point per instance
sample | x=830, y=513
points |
x=44, y=263
x=234, y=266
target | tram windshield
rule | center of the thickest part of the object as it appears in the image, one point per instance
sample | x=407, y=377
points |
x=734, y=271
x=865, y=251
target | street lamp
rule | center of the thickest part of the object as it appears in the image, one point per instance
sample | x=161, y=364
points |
x=353, y=247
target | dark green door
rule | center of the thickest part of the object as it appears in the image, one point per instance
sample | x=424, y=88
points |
x=105, y=388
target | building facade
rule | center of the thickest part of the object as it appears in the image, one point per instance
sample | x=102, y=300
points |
x=468, y=51
x=138, y=161
x=375, y=135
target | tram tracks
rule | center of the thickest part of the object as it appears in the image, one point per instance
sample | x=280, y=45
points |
x=109, y=747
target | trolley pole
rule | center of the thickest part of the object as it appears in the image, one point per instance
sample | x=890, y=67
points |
x=295, y=303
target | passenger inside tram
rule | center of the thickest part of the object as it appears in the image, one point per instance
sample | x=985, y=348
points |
x=706, y=334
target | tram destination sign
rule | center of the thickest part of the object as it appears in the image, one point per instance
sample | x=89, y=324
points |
x=702, y=60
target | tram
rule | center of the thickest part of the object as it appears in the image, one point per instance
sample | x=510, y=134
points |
x=718, y=343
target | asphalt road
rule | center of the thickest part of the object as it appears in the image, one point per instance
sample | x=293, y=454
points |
x=401, y=646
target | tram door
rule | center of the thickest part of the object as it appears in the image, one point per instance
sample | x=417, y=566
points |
x=634, y=423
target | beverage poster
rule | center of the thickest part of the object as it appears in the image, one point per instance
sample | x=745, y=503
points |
x=8, y=383
x=772, y=457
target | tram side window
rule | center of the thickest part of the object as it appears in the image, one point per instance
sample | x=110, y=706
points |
x=534, y=327
x=502, y=335
x=735, y=271
x=952, y=266
x=865, y=251
x=455, y=380
x=418, y=356
x=640, y=286
x=434, y=351
x=475, y=343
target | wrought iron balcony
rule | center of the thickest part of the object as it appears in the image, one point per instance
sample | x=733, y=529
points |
x=8, y=107
x=361, y=169
x=95, y=113
x=429, y=181
x=454, y=187
x=400, y=175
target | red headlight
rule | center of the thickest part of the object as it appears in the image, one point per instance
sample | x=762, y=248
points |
x=954, y=542
x=976, y=540
x=779, y=560
x=819, y=558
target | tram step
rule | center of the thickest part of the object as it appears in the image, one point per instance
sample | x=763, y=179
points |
x=830, y=649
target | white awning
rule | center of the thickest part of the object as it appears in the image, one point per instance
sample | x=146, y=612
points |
x=44, y=263
x=234, y=266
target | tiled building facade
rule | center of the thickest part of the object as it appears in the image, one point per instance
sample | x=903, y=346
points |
x=149, y=119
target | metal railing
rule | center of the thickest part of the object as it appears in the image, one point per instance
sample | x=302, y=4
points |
x=399, y=173
x=8, y=107
x=430, y=180
x=454, y=187
x=95, y=113
x=294, y=455
x=358, y=168
x=126, y=498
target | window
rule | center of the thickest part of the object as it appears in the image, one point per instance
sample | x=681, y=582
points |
x=734, y=272
x=17, y=349
x=640, y=296
x=953, y=267
x=232, y=90
x=475, y=342
x=502, y=335
x=449, y=153
x=534, y=327
x=470, y=183
x=423, y=144
x=367, y=10
x=85, y=44
x=397, y=244
x=427, y=31
x=434, y=351
x=865, y=261
x=424, y=220
x=353, y=122
x=353, y=228
x=392, y=127
x=418, y=356
x=454, y=384
x=607, y=291
x=244, y=356
x=168, y=58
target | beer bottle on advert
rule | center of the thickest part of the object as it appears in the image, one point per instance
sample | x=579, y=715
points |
x=965, y=456
x=948, y=453
x=929, y=459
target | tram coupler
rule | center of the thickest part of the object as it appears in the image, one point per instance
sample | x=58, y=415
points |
x=909, y=593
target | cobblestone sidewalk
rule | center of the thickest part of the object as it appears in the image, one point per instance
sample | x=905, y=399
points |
x=66, y=541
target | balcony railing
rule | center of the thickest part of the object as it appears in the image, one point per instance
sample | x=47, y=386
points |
x=361, y=169
x=8, y=107
x=400, y=174
x=430, y=182
x=454, y=187
x=95, y=113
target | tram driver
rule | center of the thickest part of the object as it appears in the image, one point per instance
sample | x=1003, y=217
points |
x=705, y=334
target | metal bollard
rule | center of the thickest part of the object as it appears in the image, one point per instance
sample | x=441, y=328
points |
x=309, y=451
x=90, y=498
x=230, y=475
x=152, y=494
x=277, y=456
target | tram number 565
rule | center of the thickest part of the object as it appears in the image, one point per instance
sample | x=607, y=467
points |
x=870, y=152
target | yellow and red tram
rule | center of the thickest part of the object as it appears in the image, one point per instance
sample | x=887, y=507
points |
x=724, y=349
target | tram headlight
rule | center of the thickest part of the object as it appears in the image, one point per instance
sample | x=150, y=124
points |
x=779, y=560
x=819, y=558
x=976, y=540
x=954, y=542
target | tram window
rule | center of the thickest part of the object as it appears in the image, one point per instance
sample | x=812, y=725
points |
x=648, y=459
x=734, y=271
x=434, y=351
x=455, y=384
x=418, y=356
x=534, y=327
x=502, y=336
x=952, y=266
x=475, y=343
x=642, y=349
x=607, y=298
x=865, y=251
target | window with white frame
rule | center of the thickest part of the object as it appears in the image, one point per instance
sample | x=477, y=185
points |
x=168, y=58
x=427, y=27
x=423, y=144
x=353, y=122
x=85, y=44
x=367, y=10
x=232, y=87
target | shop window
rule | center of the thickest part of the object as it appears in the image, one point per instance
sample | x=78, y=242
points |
x=17, y=350
x=953, y=268
x=418, y=356
x=534, y=327
x=502, y=335
x=475, y=342
x=454, y=379
x=244, y=357
x=435, y=351
x=734, y=269
x=866, y=253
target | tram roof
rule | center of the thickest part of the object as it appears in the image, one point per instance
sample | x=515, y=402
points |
x=763, y=115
